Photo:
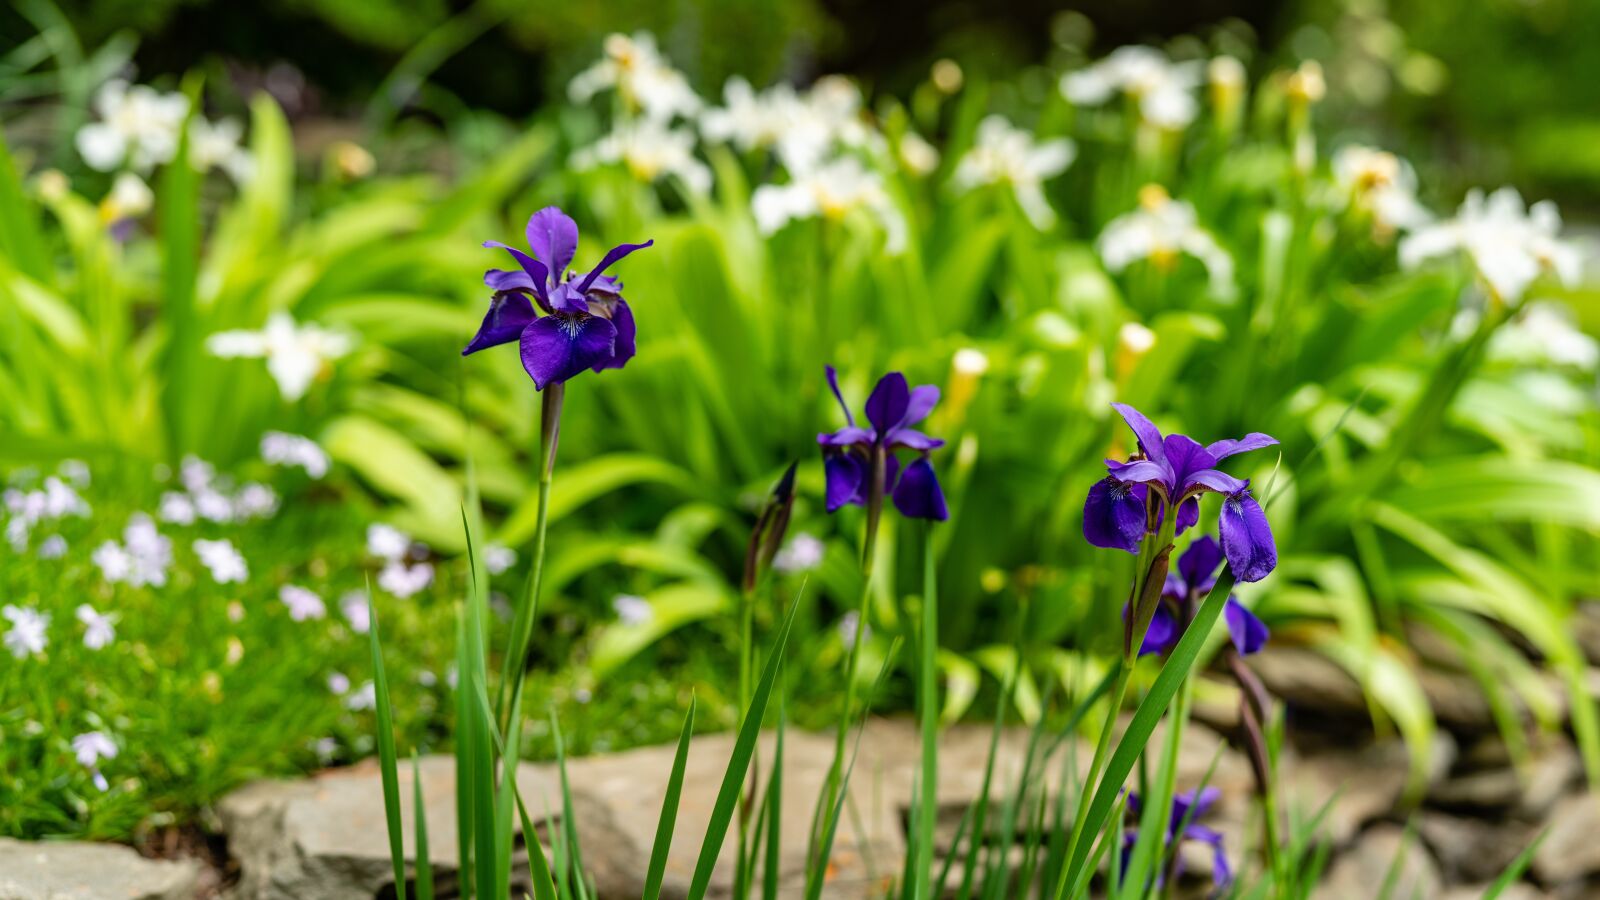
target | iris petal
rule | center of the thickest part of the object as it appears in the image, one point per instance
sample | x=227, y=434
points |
x=612, y=256
x=1163, y=633
x=555, y=348
x=1249, y=633
x=1113, y=516
x=622, y=318
x=1149, y=435
x=553, y=237
x=536, y=270
x=845, y=472
x=508, y=315
x=887, y=405
x=917, y=495
x=1247, y=537
x=1198, y=564
x=833, y=385
x=1255, y=440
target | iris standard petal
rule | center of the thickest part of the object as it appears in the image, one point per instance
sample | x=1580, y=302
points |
x=508, y=315
x=553, y=237
x=1247, y=537
x=917, y=494
x=1185, y=456
x=924, y=397
x=612, y=256
x=1198, y=564
x=1113, y=517
x=555, y=348
x=886, y=407
x=833, y=385
x=1255, y=440
x=622, y=318
x=564, y=298
x=845, y=473
x=1201, y=802
x=536, y=270
x=1249, y=633
x=1149, y=435
x=1143, y=471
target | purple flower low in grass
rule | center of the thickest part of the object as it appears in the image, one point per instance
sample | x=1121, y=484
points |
x=1173, y=471
x=848, y=454
x=585, y=323
x=1196, y=574
x=1184, y=825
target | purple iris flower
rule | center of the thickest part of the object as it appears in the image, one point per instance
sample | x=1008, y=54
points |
x=1178, y=831
x=1196, y=574
x=586, y=323
x=1173, y=471
x=847, y=454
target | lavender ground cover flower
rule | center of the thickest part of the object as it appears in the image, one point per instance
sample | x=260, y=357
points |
x=585, y=323
x=1173, y=471
x=848, y=454
x=1193, y=580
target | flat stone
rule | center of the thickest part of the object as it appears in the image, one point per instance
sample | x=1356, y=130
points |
x=1517, y=890
x=1361, y=870
x=1570, y=851
x=1471, y=849
x=1364, y=783
x=1492, y=784
x=326, y=837
x=77, y=870
x=1302, y=677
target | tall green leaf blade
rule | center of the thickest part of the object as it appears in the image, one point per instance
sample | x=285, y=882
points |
x=669, y=812
x=424, y=864
x=387, y=764
x=739, y=764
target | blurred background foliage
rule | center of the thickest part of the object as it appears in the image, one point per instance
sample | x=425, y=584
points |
x=390, y=139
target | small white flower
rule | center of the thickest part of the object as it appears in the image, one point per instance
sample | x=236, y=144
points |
x=748, y=120
x=829, y=118
x=216, y=145
x=139, y=126
x=1005, y=154
x=60, y=500
x=1380, y=184
x=832, y=191
x=176, y=508
x=151, y=552
x=646, y=82
x=256, y=501
x=403, y=580
x=1161, y=230
x=919, y=156
x=1542, y=334
x=847, y=628
x=53, y=547
x=223, y=559
x=27, y=635
x=196, y=474
x=354, y=606
x=802, y=553
x=632, y=610
x=129, y=198
x=325, y=748
x=1509, y=247
x=386, y=541
x=93, y=746
x=338, y=683
x=364, y=697
x=99, y=630
x=650, y=149
x=303, y=604
x=214, y=506
x=1162, y=89
x=295, y=353
x=115, y=563
x=497, y=558
x=281, y=449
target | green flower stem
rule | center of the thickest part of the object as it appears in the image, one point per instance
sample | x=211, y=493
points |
x=511, y=676
x=928, y=707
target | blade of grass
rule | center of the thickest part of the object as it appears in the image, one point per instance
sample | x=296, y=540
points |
x=769, y=875
x=1076, y=874
x=1515, y=870
x=424, y=865
x=543, y=885
x=669, y=811
x=928, y=706
x=386, y=754
x=739, y=764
